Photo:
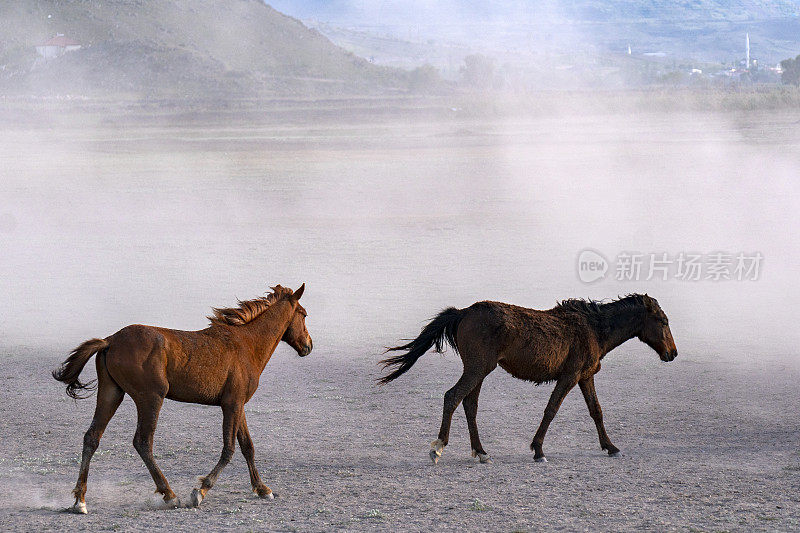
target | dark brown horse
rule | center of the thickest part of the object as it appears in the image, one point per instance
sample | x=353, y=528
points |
x=219, y=365
x=564, y=344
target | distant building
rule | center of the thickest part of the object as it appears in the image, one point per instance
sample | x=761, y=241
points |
x=57, y=46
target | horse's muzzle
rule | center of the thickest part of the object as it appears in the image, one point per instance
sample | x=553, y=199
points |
x=669, y=356
x=306, y=349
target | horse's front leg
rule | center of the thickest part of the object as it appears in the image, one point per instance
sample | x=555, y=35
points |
x=590, y=395
x=563, y=386
x=231, y=416
x=246, y=445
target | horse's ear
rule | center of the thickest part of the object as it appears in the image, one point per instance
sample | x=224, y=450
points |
x=299, y=292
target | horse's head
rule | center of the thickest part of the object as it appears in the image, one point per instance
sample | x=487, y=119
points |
x=296, y=334
x=655, y=331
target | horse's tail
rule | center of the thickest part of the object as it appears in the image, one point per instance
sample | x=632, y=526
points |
x=439, y=330
x=70, y=369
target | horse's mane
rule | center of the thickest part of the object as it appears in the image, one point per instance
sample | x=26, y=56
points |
x=247, y=310
x=594, y=307
x=604, y=316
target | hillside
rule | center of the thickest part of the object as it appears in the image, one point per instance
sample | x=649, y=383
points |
x=195, y=48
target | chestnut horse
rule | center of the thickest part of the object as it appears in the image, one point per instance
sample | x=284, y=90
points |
x=564, y=344
x=219, y=365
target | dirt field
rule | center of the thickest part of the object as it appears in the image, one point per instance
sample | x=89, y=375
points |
x=706, y=446
x=112, y=219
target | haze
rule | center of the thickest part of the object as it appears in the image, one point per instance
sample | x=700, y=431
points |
x=388, y=221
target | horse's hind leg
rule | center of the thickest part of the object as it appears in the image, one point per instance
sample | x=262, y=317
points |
x=468, y=381
x=590, y=395
x=231, y=416
x=109, y=396
x=148, y=407
x=471, y=410
x=246, y=445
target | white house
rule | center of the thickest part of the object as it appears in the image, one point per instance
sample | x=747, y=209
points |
x=57, y=46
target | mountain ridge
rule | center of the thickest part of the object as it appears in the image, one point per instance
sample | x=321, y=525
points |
x=191, y=48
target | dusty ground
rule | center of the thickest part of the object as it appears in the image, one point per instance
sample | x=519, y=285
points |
x=706, y=446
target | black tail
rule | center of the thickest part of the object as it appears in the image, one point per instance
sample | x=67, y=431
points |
x=442, y=328
x=70, y=370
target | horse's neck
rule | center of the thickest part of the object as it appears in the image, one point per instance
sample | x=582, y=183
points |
x=267, y=330
x=619, y=325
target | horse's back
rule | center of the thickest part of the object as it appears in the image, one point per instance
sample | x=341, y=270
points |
x=529, y=344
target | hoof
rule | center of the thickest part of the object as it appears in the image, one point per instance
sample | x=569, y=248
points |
x=197, y=498
x=265, y=493
x=482, y=457
x=437, y=447
x=173, y=503
x=78, y=508
x=541, y=459
x=615, y=454
x=435, y=456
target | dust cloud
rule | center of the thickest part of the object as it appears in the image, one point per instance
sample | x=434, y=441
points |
x=388, y=221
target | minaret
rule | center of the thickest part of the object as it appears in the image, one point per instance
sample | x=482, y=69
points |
x=747, y=49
